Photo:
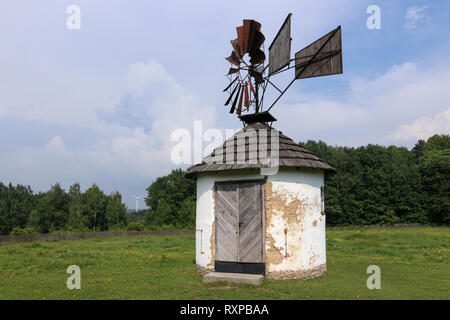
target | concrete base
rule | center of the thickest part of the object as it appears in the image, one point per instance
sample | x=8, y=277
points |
x=253, y=279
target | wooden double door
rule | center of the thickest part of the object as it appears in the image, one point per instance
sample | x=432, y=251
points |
x=239, y=224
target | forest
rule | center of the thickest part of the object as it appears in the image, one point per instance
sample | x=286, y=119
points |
x=23, y=212
x=385, y=185
x=373, y=184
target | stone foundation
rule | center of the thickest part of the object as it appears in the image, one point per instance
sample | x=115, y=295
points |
x=202, y=270
x=280, y=275
x=303, y=274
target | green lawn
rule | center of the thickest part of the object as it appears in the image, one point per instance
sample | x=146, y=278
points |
x=414, y=264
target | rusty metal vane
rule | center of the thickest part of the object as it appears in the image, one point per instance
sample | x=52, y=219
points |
x=248, y=75
x=249, y=41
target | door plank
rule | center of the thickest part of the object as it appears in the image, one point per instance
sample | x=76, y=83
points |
x=227, y=222
x=250, y=222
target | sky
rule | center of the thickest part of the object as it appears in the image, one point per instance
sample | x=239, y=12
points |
x=99, y=104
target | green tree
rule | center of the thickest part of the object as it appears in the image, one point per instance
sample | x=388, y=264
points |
x=435, y=170
x=419, y=148
x=170, y=200
x=95, y=208
x=78, y=219
x=373, y=184
x=16, y=203
x=437, y=142
x=115, y=210
x=51, y=212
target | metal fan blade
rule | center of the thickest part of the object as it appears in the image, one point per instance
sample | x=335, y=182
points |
x=231, y=95
x=257, y=56
x=258, y=40
x=231, y=83
x=233, y=107
x=239, y=110
x=258, y=76
x=233, y=59
x=251, y=86
x=237, y=48
x=240, y=38
x=233, y=70
x=246, y=99
x=246, y=34
x=253, y=28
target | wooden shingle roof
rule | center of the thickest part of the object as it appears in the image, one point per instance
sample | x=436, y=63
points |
x=246, y=150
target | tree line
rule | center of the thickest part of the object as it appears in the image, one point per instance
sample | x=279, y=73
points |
x=384, y=185
x=22, y=211
x=373, y=184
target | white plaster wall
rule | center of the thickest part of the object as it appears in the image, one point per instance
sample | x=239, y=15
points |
x=307, y=241
x=296, y=207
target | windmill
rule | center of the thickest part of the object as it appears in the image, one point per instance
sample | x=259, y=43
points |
x=137, y=201
x=250, y=77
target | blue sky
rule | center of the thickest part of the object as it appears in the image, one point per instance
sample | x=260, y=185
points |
x=99, y=104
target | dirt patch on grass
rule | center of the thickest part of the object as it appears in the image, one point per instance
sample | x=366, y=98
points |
x=223, y=287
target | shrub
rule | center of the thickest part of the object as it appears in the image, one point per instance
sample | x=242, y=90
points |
x=135, y=226
x=119, y=227
x=22, y=231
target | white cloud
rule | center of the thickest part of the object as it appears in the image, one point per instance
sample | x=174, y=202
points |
x=423, y=128
x=56, y=144
x=373, y=108
x=131, y=142
x=413, y=16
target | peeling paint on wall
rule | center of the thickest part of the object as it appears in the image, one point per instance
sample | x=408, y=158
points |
x=273, y=253
x=292, y=221
x=294, y=227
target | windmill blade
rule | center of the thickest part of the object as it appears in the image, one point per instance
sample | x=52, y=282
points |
x=239, y=110
x=245, y=34
x=237, y=48
x=240, y=38
x=257, y=75
x=251, y=86
x=232, y=70
x=249, y=40
x=233, y=107
x=280, y=49
x=233, y=59
x=246, y=98
x=257, y=56
x=321, y=58
x=231, y=83
x=254, y=27
x=231, y=95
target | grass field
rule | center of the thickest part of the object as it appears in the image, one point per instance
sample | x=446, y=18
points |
x=414, y=264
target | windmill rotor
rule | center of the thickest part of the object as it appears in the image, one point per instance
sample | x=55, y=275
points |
x=323, y=57
x=248, y=42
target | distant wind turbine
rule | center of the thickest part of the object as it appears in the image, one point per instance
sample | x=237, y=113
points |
x=137, y=201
